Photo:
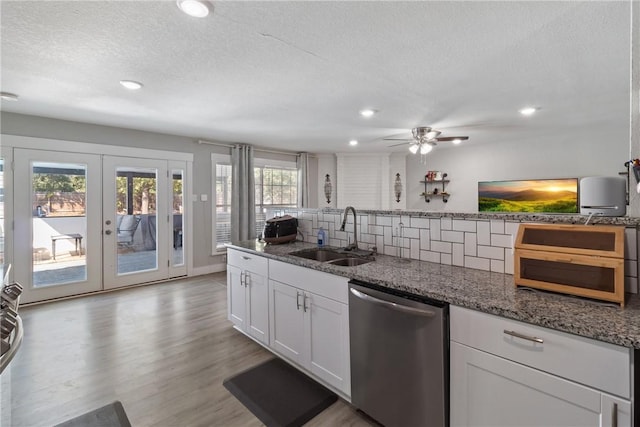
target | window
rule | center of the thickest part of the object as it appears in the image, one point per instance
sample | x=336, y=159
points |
x=276, y=186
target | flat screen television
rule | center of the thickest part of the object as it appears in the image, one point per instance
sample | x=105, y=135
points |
x=529, y=196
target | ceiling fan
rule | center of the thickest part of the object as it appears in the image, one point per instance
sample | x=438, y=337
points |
x=425, y=138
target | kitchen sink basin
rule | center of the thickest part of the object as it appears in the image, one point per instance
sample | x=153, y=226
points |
x=333, y=256
x=319, y=254
x=350, y=261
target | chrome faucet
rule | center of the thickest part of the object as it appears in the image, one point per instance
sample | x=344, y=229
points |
x=354, y=245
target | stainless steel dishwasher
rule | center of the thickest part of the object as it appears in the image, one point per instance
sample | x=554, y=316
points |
x=399, y=356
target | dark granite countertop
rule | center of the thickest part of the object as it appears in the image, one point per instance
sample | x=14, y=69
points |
x=481, y=290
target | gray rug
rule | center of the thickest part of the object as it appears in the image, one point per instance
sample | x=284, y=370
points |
x=111, y=415
x=280, y=395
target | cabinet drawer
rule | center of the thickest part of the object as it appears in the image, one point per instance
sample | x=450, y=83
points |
x=318, y=282
x=247, y=261
x=596, y=364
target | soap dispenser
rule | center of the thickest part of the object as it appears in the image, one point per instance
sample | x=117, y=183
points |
x=322, y=238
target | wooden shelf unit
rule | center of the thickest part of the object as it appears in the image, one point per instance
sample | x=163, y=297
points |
x=429, y=191
x=580, y=260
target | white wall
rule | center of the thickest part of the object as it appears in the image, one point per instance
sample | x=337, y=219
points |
x=580, y=154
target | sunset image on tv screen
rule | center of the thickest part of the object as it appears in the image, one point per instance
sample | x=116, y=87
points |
x=542, y=196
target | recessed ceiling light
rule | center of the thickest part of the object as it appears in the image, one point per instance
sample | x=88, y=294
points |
x=353, y=142
x=195, y=8
x=130, y=84
x=528, y=111
x=367, y=113
x=456, y=141
x=8, y=96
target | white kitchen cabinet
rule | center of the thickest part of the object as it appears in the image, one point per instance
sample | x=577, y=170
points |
x=248, y=294
x=312, y=331
x=507, y=373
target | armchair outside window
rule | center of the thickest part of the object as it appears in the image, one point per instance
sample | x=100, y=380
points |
x=127, y=226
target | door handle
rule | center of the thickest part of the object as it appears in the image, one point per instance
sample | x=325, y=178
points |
x=304, y=302
x=392, y=305
x=614, y=415
x=298, y=300
x=242, y=278
x=247, y=279
x=107, y=232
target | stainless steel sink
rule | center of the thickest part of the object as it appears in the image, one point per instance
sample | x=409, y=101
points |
x=318, y=254
x=332, y=256
x=350, y=261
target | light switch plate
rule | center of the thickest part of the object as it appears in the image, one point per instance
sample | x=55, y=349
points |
x=204, y=197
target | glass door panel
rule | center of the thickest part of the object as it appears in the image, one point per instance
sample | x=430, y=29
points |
x=177, y=216
x=135, y=221
x=57, y=223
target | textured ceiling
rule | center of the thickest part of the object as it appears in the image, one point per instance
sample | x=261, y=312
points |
x=293, y=75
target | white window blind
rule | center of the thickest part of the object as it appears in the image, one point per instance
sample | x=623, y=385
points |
x=363, y=181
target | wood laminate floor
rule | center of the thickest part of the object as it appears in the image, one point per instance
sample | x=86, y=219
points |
x=162, y=350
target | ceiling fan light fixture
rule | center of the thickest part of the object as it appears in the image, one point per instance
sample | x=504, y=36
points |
x=367, y=112
x=414, y=148
x=456, y=141
x=195, y=8
x=353, y=142
x=425, y=148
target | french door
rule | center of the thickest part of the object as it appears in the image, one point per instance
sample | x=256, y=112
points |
x=93, y=222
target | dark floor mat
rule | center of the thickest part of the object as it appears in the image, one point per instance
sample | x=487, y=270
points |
x=111, y=415
x=279, y=395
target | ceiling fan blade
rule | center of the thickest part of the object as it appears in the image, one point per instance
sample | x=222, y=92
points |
x=402, y=143
x=398, y=139
x=451, y=138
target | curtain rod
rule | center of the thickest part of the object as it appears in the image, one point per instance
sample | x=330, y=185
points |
x=220, y=144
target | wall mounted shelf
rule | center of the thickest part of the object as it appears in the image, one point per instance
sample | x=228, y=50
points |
x=435, y=188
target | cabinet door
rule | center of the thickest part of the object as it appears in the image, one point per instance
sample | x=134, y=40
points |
x=616, y=412
x=236, y=304
x=257, y=295
x=286, y=322
x=327, y=326
x=490, y=391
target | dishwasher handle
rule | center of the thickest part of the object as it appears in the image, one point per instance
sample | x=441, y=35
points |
x=392, y=305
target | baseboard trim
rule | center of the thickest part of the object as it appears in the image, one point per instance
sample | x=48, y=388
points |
x=208, y=269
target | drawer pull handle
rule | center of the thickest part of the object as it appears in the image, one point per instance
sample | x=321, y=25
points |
x=246, y=258
x=524, y=337
x=614, y=415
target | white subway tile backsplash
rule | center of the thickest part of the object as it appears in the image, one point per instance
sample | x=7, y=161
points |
x=464, y=225
x=511, y=228
x=508, y=263
x=446, y=224
x=434, y=227
x=470, y=244
x=458, y=254
x=502, y=240
x=390, y=250
x=446, y=259
x=484, y=233
x=376, y=229
x=497, y=266
x=444, y=247
x=497, y=226
x=388, y=236
x=452, y=236
x=412, y=233
x=380, y=243
x=477, y=263
x=425, y=241
x=384, y=220
x=631, y=243
x=415, y=249
x=490, y=252
x=419, y=222
x=430, y=256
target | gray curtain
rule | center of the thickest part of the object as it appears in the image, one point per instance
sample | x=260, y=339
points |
x=243, y=209
x=302, y=162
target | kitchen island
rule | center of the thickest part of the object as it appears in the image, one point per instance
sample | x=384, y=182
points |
x=488, y=292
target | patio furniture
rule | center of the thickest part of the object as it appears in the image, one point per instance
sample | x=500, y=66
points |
x=73, y=236
x=127, y=226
